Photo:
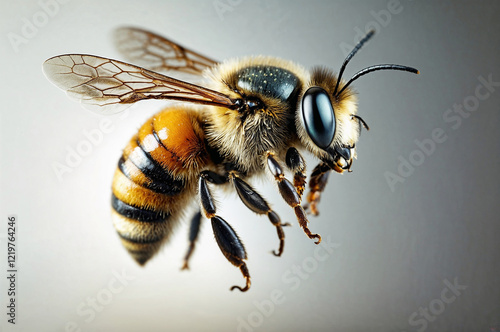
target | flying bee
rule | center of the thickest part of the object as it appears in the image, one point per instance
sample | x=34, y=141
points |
x=253, y=116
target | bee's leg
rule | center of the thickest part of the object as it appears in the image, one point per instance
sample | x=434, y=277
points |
x=290, y=195
x=257, y=204
x=317, y=183
x=227, y=239
x=296, y=164
x=194, y=229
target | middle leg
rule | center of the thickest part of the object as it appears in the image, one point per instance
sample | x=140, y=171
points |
x=252, y=199
x=257, y=204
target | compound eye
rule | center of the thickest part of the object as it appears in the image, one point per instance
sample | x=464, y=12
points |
x=318, y=116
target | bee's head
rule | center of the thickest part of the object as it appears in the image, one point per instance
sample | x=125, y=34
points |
x=327, y=123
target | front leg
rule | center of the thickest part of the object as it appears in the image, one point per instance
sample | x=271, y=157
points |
x=290, y=195
x=319, y=176
x=317, y=183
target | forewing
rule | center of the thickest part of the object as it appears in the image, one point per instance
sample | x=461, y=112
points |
x=109, y=86
x=157, y=53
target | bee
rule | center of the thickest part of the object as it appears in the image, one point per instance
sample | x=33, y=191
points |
x=252, y=117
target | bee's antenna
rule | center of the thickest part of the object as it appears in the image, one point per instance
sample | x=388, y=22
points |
x=350, y=55
x=375, y=68
x=360, y=119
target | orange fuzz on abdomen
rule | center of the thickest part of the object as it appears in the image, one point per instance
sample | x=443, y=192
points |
x=154, y=179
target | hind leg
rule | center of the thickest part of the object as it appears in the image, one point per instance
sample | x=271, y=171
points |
x=194, y=230
x=227, y=239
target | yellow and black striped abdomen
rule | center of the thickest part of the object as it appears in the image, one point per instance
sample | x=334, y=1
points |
x=155, y=179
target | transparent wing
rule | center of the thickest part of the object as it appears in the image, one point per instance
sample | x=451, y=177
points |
x=109, y=86
x=158, y=53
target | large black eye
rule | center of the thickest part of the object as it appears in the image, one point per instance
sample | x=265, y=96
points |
x=319, y=119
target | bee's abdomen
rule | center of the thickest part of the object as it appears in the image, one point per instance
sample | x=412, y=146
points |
x=153, y=181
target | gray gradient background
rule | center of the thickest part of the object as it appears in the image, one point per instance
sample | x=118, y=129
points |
x=394, y=249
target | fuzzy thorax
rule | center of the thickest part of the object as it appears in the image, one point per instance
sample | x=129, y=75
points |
x=245, y=135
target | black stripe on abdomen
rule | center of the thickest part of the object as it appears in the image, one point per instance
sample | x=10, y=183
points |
x=171, y=188
x=162, y=180
x=136, y=213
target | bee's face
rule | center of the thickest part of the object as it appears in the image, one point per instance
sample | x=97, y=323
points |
x=327, y=123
